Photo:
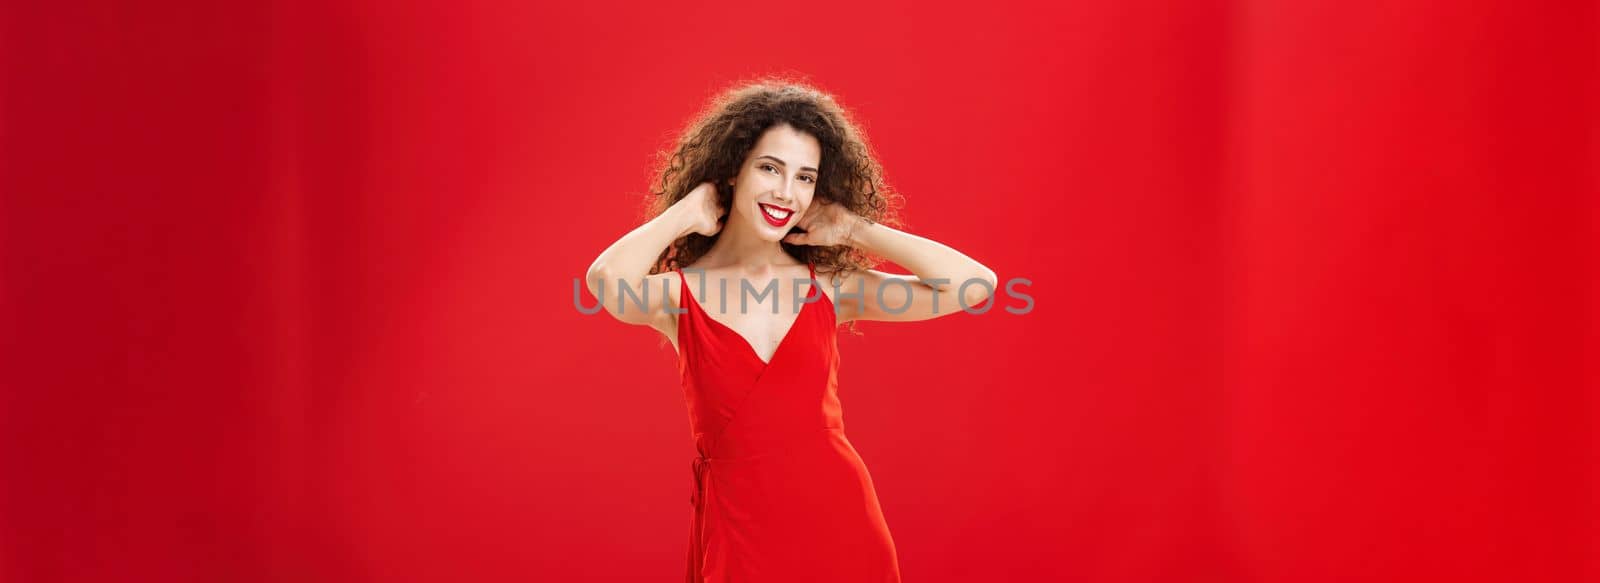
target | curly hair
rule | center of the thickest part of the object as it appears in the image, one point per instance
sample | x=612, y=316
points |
x=713, y=148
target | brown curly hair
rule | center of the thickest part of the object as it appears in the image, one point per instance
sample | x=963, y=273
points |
x=713, y=148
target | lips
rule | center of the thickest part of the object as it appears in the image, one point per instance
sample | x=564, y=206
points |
x=776, y=216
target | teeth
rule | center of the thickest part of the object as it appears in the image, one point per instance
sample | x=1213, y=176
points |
x=775, y=213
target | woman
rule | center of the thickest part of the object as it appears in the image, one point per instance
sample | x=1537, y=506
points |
x=773, y=185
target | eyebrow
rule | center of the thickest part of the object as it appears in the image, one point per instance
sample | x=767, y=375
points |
x=782, y=163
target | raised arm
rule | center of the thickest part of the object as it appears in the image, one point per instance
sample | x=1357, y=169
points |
x=628, y=260
x=939, y=272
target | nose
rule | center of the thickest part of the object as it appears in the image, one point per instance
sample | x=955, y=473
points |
x=782, y=193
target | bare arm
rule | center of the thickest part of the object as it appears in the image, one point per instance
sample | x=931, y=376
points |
x=629, y=259
x=936, y=288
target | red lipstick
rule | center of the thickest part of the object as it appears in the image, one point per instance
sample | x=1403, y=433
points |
x=772, y=213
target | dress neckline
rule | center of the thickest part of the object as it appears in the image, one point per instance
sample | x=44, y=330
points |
x=749, y=347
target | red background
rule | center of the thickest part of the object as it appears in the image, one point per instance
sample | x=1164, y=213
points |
x=287, y=289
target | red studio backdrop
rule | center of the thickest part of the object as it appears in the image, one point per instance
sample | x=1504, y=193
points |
x=286, y=288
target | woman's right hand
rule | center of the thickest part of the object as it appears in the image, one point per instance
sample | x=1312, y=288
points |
x=705, y=213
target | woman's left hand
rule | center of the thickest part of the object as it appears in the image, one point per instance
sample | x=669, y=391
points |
x=826, y=224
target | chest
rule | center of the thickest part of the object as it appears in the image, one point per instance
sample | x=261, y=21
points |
x=762, y=313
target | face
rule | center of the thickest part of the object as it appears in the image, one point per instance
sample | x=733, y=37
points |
x=775, y=185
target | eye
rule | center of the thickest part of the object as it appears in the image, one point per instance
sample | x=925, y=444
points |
x=769, y=167
x=809, y=178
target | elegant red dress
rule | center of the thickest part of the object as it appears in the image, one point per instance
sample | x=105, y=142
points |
x=779, y=494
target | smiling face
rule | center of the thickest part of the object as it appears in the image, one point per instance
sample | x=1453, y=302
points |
x=776, y=182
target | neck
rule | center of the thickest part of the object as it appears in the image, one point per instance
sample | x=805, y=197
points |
x=741, y=247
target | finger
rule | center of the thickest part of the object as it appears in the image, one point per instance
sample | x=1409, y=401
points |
x=797, y=239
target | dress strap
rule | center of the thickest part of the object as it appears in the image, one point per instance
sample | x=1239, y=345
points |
x=683, y=290
x=815, y=289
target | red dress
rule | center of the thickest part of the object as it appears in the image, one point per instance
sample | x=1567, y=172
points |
x=779, y=493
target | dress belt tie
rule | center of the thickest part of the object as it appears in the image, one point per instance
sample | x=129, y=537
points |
x=697, y=498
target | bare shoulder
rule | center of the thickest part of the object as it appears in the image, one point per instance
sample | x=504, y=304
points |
x=870, y=294
x=836, y=281
x=833, y=276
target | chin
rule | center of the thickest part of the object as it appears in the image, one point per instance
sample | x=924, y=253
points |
x=770, y=233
